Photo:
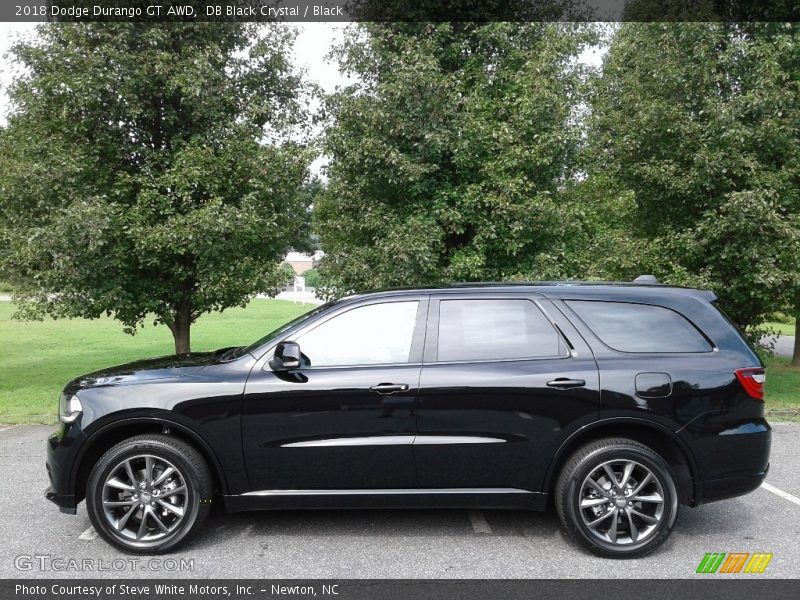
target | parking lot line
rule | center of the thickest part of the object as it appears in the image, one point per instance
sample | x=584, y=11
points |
x=781, y=493
x=479, y=523
x=89, y=534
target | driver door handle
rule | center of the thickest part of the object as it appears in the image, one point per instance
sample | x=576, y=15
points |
x=562, y=383
x=389, y=388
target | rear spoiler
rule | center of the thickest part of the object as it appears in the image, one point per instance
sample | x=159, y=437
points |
x=706, y=295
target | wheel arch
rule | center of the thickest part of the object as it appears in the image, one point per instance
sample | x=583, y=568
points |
x=657, y=437
x=113, y=433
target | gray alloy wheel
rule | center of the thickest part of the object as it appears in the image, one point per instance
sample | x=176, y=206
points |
x=145, y=498
x=622, y=502
x=617, y=497
x=149, y=493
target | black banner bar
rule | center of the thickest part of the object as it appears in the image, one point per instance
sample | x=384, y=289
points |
x=173, y=11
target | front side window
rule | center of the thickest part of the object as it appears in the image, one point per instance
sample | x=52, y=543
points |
x=495, y=330
x=629, y=327
x=366, y=335
x=276, y=332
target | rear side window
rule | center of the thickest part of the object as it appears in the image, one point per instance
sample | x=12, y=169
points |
x=495, y=330
x=629, y=327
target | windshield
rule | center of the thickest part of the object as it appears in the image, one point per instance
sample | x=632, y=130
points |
x=296, y=321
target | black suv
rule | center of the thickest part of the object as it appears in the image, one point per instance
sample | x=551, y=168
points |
x=617, y=401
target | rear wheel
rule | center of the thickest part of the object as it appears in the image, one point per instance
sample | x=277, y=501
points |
x=617, y=498
x=149, y=493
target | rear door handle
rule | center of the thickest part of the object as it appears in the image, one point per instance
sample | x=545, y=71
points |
x=562, y=383
x=389, y=388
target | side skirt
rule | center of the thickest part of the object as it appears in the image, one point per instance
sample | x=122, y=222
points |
x=510, y=498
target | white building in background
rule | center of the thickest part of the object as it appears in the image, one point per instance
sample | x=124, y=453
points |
x=301, y=262
x=296, y=290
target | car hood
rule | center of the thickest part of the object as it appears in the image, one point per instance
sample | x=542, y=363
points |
x=164, y=367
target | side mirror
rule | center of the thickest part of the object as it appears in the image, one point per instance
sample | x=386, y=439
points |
x=286, y=358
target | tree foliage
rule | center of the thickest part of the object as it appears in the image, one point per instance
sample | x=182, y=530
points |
x=697, y=125
x=149, y=171
x=447, y=156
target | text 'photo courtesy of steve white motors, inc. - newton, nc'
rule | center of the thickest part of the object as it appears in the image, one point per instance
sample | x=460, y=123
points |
x=69, y=11
x=190, y=589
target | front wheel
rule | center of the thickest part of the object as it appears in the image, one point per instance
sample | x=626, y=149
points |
x=617, y=498
x=148, y=493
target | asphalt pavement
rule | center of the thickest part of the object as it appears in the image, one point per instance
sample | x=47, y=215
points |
x=783, y=345
x=39, y=541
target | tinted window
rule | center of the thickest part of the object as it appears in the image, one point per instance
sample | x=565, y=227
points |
x=639, y=327
x=495, y=329
x=372, y=334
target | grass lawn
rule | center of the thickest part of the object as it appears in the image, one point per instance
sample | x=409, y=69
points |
x=783, y=328
x=783, y=388
x=38, y=358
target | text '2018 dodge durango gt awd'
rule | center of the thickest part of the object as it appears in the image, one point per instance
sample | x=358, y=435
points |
x=616, y=402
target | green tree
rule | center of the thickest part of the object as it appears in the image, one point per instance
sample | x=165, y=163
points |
x=698, y=123
x=313, y=279
x=448, y=156
x=149, y=171
x=308, y=240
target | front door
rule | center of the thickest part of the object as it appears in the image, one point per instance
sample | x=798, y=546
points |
x=504, y=378
x=345, y=419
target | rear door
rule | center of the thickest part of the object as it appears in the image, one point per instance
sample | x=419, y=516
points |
x=504, y=376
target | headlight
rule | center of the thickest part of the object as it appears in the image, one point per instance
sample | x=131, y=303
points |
x=69, y=408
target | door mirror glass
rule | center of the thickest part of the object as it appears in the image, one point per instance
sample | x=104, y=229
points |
x=287, y=357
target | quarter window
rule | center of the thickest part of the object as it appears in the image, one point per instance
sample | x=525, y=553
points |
x=629, y=327
x=372, y=334
x=495, y=330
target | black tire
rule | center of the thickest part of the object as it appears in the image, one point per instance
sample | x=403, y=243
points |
x=189, y=488
x=571, y=490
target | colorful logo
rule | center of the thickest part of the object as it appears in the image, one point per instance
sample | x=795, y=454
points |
x=734, y=562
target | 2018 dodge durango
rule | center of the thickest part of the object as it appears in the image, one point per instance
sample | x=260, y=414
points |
x=615, y=402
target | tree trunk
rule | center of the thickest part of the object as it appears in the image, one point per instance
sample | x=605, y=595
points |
x=180, y=328
x=796, y=353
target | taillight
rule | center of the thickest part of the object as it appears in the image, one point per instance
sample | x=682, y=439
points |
x=752, y=381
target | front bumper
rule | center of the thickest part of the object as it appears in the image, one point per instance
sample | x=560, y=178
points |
x=62, y=448
x=66, y=504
